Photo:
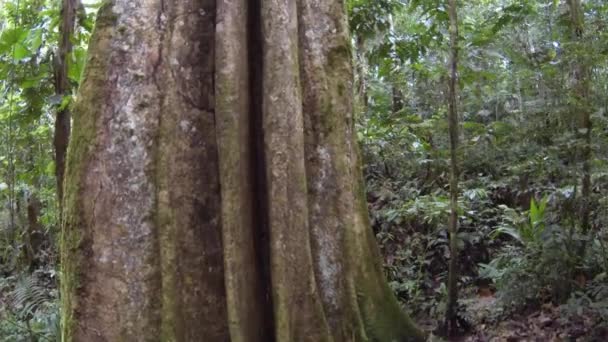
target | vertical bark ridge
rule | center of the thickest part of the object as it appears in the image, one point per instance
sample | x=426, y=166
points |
x=189, y=195
x=382, y=316
x=142, y=233
x=115, y=200
x=245, y=286
x=324, y=51
x=359, y=305
x=298, y=309
x=76, y=240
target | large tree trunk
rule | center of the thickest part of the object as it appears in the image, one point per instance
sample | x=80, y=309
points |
x=214, y=189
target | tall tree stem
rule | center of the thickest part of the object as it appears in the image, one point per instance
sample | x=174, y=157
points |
x=451, y=310
x=62, y=88
x=580, y=73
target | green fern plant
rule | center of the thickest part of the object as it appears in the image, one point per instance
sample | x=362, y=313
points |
x=28, y=296
x=31, y=311
x=527, y=230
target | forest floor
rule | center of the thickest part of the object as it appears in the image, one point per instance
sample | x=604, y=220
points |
x=548, y=322
x=545, y=324
x=525, y=307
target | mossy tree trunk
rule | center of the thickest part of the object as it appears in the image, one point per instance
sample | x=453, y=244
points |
x=61, y=136
x=214, y=188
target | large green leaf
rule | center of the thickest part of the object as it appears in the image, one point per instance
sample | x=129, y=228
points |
x=11, y=37
x=76, y=64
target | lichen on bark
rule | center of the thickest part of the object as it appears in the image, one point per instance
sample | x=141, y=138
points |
x=141, y=234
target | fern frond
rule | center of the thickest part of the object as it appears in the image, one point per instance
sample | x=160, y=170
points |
x=28, y=296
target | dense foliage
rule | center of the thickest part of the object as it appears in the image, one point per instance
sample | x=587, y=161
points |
x=523, y=245
x=522, y=155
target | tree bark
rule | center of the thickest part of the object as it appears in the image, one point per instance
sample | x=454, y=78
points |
x=214, y=183
x=361, y=69
x=396, y=92
x=34, y=235
x=61, y=136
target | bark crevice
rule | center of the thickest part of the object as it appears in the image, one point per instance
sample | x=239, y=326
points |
x=261, y=243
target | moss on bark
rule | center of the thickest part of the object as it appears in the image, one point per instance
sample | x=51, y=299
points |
x=85, y=113
x=167, y=238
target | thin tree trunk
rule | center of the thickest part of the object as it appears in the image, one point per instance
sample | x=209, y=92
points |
x=520, y=98
x=397, y=93
x=361, y=69
x=215, y=189
x=581, y=105
x=34, y=237
x=62, y=88
x=397, y=99
x=451, y=318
